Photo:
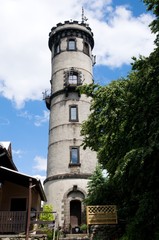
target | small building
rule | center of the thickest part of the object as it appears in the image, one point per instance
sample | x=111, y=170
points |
x=19, y=194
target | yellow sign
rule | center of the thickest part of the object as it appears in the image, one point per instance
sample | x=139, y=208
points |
x=102, y=214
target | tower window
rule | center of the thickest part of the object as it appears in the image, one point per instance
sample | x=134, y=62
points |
x=86, y=48
x=71, y=44
x=74, y=155
x=56, y=48
x=73, y=113
x=73, y=78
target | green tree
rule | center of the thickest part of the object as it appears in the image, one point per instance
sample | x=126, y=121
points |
x=95, y=185
x=101, y=191
x=152, y=5
x=47, y=214
x=123, y=128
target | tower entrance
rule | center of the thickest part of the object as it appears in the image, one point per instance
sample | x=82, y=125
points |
x=73, y=208
x=75, y=213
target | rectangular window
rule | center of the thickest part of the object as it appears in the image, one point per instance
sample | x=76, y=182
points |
x=73, y=78
x=74, y=155
x=73, y=114
x=18, y=204
x=71, y=44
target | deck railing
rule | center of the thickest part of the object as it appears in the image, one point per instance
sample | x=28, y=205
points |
x=15, y=221
x=12, y=222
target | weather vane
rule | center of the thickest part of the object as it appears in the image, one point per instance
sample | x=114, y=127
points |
x=84, y=19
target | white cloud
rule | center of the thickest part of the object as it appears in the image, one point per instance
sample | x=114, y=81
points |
x=97, y=8
x=37, y=119
x=123, y=37
x=25, y=114
x=40, y=163
x=41, y=178
x=17, y=153
x=4, y=121
x=25, y=67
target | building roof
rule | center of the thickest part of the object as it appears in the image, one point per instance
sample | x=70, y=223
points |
x=6, y=145
x=6, y=156
x=18, y=178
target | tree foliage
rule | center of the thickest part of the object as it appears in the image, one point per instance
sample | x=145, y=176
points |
x=100, y=190
x=123, y=128
x=47, y=214
x=152, y=5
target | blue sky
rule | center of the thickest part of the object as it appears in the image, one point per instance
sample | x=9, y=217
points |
x=120, y=30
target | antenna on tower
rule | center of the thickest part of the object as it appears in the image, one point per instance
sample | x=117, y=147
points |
x=84, y=19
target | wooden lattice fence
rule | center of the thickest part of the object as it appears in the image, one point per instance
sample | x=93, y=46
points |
x=104, y=214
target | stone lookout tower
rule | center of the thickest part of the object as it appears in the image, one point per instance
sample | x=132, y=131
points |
x=69, y=166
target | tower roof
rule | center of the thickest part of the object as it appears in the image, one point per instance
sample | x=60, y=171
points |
x=69, y=29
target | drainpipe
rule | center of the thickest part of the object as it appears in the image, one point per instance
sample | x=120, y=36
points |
x=29, y=209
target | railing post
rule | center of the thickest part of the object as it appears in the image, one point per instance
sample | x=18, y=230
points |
x=29, y=209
